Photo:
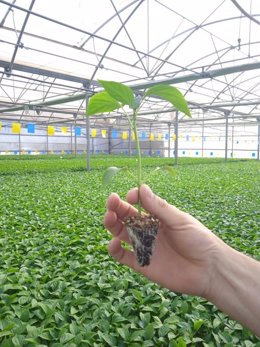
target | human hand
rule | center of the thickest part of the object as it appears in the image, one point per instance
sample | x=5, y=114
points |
x=185, y=250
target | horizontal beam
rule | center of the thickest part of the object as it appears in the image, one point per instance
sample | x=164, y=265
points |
x=190, y=77
x=44, y=72
x=200, y=75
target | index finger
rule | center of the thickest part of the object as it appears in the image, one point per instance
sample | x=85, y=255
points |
x=122, y=208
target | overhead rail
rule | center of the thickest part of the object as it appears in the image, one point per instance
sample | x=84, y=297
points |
x=186, y=78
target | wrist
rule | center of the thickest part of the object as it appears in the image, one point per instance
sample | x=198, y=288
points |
x=234, y=286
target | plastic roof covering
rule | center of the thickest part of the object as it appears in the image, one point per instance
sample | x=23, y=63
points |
x=52, y=50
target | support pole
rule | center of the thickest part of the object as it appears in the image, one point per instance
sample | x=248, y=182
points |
x=176, y=141
x=87, y=135
x=202, y=136
x=226, y=114
x=169, y=140
x=150, y=142
x=258, y=139
x=109, y=140
x=47, y=140
x=75, y=135
x=129, y=142
x=71, y=142
x=20, y=147
x=232, y=139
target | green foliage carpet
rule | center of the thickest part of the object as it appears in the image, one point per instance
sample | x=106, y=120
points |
x=59, y=286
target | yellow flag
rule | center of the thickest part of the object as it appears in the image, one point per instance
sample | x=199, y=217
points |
x=104, y=133
x=16, y=128
x=0, y=126
x=193, y=138
x=51, y=130
x=174, y=137
x=159, y=136
x=124, y=135
x=152, y=137
x=133, y=136
x=64, y=130
x=93, y=132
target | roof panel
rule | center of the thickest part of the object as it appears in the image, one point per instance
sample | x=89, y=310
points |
x=131, y=41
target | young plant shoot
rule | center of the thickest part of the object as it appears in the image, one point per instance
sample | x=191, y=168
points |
x=142, y=229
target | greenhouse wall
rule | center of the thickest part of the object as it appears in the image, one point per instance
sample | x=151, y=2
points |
x=194, y=142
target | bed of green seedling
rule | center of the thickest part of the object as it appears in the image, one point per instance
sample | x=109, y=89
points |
x=59, y=286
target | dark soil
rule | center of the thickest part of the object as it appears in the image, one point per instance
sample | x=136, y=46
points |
x=142, y=230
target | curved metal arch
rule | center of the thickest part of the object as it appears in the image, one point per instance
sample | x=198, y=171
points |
x=112, y=41
x=107, y=21
x=82, y=31
x=240, y=101
x=223, y=49
x=195, y=27
x=240, y=89
x=244, y=12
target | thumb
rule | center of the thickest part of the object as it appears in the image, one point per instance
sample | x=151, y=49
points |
x=152, y=203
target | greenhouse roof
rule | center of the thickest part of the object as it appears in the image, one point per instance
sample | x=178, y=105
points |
x=53, y=53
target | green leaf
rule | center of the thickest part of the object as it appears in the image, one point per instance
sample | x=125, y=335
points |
x=164, y=330
x=137, y=294
x=5, y=333
x=110, y=173
x=66, y=337
x=33, y=331
x=119, y=92
x=102, y=102
x=197, y=324
x=181, y=342
x=137, y=335
x=7, y=342
x=124, y=332
x=171, y=94
x=145, y=318
x=18, y=340
x=149, y=331
x=109, y=339
x=169, y=169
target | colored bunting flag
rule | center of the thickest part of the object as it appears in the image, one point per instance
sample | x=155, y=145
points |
x=77, y=131
x=174, y=137
x=93, y=132
x=0, y=126
x=114, y=134
x=31, y=128
x=143, y=135
x=16, y=128
x=152, y=137
x=124, y=135
x=104, y=133
x=159, y=136
x=51, y=130
x=64, y=130
x=167, y=136
x=133, y=136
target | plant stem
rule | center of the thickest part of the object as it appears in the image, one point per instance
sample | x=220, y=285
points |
x=139, y=161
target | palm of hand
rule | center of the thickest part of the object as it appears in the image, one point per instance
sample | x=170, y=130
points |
x=182, y=257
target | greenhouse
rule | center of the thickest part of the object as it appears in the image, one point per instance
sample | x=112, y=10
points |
x=160, y=92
